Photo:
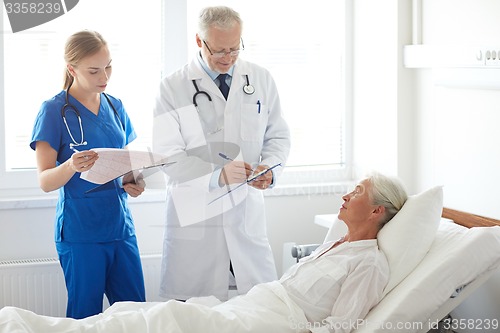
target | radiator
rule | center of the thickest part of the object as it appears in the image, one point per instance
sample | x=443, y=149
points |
x=38, y=284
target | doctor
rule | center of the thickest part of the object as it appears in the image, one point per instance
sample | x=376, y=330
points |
x=205, y=240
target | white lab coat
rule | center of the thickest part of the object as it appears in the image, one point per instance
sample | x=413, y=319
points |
x=196, y=257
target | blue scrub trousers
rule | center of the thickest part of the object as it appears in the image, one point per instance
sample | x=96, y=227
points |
x=92, y=270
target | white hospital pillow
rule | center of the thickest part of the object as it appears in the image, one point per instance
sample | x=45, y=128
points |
x=408, y=236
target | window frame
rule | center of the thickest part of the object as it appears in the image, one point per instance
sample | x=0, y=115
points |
x=24, y=183
x=12, y=183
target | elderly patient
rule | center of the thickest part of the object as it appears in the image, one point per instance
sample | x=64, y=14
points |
x=329, y=291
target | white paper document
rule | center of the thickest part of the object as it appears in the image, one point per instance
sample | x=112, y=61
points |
x=113, y=163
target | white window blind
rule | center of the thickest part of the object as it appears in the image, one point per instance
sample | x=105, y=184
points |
x=304, y=47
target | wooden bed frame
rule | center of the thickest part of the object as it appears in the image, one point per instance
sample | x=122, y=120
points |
x=469, y=220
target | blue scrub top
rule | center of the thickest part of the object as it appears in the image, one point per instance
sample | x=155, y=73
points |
x=101, y=216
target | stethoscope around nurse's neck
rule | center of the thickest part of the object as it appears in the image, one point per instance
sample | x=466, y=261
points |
x=247, y=89
x=70, y=107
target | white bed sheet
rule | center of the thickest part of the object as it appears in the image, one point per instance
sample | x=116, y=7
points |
x=457, y=256
x=265, y=308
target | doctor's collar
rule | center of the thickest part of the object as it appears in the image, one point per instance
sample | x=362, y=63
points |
x=213, y=74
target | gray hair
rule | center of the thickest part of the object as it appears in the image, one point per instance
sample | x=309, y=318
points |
x=388, y=192
x=220, y=16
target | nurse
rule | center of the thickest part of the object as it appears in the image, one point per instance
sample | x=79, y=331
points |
x=219, y=97
x=94, y=233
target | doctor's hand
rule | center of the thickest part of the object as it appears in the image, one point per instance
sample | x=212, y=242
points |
x=262, y=182
x=83, y=160
x=235, y=172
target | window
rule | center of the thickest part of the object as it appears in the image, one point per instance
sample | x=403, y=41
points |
x=304, y=47
x=33, y=70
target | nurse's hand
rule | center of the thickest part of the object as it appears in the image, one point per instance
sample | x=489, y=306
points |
x=235, y=172
x=83, y=160
x=262, y=182
x=134, y=187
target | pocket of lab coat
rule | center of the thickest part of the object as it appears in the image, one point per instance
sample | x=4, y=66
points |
x=253, y=122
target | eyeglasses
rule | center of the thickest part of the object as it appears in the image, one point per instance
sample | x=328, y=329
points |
x=232, y=53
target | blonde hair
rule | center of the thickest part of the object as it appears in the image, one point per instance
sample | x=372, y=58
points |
x=78, y=46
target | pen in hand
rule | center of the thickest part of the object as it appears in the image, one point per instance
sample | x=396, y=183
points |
x=224, y=156
x=235, y=171
x=73, y=148
x=77, y=151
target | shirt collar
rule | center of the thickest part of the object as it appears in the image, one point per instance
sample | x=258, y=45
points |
x=213, y=74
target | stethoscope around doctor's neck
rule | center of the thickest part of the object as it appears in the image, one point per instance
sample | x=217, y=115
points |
x=247, y=88
x=70, y=107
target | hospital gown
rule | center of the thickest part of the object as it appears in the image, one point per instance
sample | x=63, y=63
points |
x=336, y=289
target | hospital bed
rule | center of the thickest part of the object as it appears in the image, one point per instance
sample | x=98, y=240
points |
x=438, y=257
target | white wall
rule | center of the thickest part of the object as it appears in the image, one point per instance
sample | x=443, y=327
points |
x=382, y=88
x=458, y=136
x=374, y=86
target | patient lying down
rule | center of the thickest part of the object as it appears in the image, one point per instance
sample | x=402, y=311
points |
x=329, y=291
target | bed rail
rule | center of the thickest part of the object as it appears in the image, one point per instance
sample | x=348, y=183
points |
x=469, y=220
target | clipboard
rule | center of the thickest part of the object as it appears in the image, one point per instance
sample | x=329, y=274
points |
x=250, y=179
x=144, y=172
